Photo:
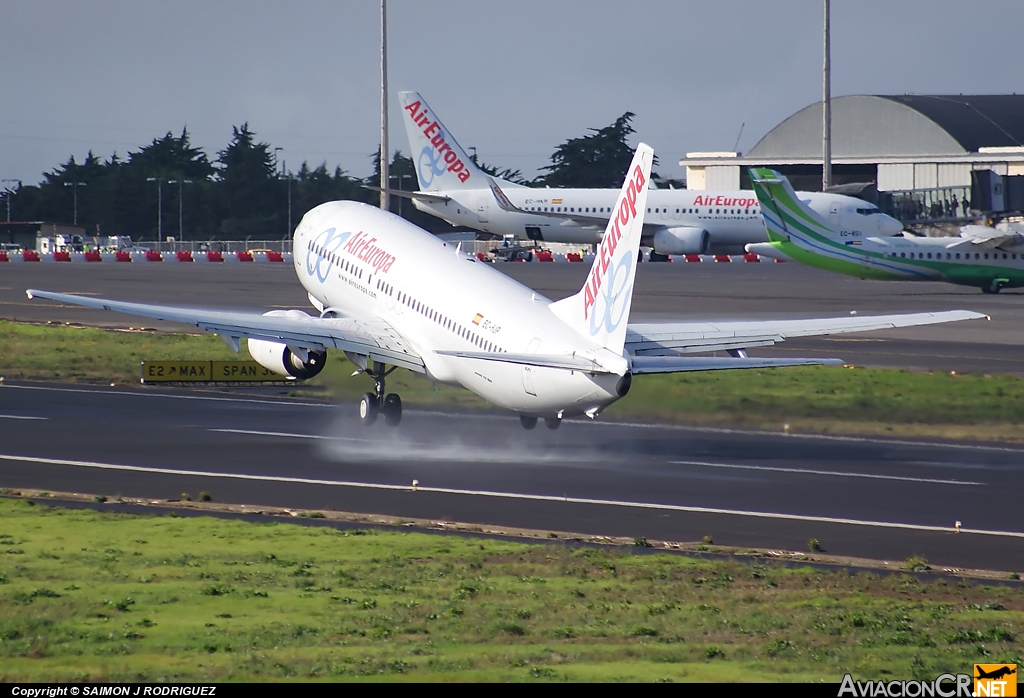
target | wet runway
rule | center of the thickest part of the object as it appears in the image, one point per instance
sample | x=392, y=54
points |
x=673, y=291
x=859, y=497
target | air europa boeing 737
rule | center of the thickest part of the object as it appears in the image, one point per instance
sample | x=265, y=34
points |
x=678, y=221
x=391, y=295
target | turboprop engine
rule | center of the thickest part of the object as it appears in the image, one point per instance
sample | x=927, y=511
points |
x=682, y=240
x=296, y=362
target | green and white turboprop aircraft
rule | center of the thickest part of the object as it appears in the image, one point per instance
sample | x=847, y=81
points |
x=796, y=233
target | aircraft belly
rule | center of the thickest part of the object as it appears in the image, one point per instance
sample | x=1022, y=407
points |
x=554, y=390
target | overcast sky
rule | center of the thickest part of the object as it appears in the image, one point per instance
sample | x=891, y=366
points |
x=513, y=79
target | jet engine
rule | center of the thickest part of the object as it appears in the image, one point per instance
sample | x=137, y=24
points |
x=682, y=240
x=284, y=360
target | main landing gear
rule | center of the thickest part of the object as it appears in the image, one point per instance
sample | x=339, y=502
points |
x=531, y=422
x=378, y=403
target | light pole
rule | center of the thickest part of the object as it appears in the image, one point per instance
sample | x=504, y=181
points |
x=288, y=176
x=10, y=187
x=159, y=206
x=74, y=188
x=180, y=183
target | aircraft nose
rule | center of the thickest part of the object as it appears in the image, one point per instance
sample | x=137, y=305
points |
x=887, y=225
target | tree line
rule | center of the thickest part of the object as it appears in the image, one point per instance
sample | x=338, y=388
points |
x=241, y=193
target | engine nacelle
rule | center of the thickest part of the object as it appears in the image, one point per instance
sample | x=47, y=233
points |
x=279, y=357
x=682, y=240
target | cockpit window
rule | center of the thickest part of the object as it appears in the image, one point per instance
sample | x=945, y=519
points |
x=867, y=211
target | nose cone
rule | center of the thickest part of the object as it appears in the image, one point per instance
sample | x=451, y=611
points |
x=889, y=226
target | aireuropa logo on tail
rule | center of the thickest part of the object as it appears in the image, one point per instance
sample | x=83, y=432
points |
x=605, y=293
x=438, y=157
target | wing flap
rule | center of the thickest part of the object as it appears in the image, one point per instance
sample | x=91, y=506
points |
x=373, y=338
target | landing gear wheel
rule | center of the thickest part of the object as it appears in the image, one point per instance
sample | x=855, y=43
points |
x=553, y=424
x=994, y=287
x=527, y=422
x=392, y=409
x=368, y=409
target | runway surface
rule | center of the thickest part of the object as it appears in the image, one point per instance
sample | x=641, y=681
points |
x=674, y=291
x=859, y=497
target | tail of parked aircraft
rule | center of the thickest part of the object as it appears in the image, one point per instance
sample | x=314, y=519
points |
x=440, y=162
x=600, y=311
x=786, y=217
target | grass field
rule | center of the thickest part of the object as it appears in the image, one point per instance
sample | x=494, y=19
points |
x=818, y=399
x=87, y=595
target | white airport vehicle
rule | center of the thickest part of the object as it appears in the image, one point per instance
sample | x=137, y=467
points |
x=391, y=295
x=678, y=221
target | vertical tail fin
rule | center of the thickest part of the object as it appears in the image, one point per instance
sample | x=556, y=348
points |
x=440, y=162
x=600, y=310
x=785, y=216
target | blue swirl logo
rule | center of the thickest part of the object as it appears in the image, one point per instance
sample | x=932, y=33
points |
x=318, y=262
x=431, y=165
x=610, y=306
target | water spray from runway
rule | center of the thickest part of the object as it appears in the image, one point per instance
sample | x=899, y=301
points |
x=436, y=437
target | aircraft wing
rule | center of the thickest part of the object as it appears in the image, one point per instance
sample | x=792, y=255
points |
x=668, y=339
x=373, y=338
x=984, y=238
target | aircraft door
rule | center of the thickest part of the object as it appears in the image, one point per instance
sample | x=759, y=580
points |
x=833, y=216
x=528, y=371
x=481, y=209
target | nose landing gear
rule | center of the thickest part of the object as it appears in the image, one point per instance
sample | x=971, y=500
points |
x=377, y=402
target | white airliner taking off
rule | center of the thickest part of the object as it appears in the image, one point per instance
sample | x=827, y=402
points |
x=391, y=294
x=678, y=221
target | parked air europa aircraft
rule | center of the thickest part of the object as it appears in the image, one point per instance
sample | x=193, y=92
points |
x=678, y=221
x=391, y=294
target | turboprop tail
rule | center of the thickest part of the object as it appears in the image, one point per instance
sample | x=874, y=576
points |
x=786, y=217
x=600, y=311
x=440, y=162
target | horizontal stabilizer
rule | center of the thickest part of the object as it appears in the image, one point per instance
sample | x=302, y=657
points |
x=418, y=195
x=682, y=364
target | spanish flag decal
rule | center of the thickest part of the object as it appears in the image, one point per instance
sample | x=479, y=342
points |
x=477, y=319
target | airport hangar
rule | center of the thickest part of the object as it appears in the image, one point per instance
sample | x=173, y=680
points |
x=910, y=154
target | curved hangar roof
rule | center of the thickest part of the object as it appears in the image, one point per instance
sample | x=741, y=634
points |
x=886, y=125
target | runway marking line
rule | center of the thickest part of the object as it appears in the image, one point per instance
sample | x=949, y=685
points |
x=832, y=473
x=21, y=416
x=507, y=495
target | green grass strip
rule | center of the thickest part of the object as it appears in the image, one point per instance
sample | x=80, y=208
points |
x=87, y=595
